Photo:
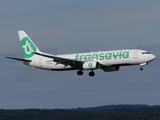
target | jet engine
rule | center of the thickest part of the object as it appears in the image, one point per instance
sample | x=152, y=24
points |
x=90, y=65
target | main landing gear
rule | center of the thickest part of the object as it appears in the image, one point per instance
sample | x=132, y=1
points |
x=91, y=73
x=80, y=72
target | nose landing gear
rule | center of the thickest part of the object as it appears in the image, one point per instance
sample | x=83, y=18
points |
x=141, y=69
x=141, y=66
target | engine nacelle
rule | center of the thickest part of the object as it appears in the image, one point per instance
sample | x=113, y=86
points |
x=90, y=65
x=110, y=68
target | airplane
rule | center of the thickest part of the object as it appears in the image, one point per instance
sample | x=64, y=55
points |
x=108, y=61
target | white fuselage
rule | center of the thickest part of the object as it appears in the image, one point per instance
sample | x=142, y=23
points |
x=107, y=58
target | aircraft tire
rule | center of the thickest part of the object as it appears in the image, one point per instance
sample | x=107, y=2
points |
x=91, y=73
x=80, y=72
x=141, y=69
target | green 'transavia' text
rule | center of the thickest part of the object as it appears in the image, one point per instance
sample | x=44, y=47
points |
x=103, y=56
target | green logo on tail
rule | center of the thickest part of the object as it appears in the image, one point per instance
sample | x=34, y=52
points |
x=26, y=45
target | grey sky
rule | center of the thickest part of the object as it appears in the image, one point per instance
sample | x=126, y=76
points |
x=59, y=27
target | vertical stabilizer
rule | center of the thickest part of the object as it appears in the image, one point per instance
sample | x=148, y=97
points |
x=28, y=47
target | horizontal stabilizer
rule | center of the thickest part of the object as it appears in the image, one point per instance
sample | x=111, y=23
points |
x=20, y=59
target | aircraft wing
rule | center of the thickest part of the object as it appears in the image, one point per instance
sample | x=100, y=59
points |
x=20, y=59
x=60, y=60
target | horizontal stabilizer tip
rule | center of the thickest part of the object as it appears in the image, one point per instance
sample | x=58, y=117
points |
x=19, y=59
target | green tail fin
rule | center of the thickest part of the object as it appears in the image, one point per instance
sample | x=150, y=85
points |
x=28, y=47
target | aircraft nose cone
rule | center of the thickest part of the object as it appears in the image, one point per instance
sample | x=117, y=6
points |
x=152, y=57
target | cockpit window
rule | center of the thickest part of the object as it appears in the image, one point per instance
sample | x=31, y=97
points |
x=145, y=53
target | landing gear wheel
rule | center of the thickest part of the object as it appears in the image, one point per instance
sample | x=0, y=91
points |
x=141, y=69
x=91, y=73
x=80, y=72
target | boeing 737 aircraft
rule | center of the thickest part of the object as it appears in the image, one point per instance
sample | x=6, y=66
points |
x=108, y=61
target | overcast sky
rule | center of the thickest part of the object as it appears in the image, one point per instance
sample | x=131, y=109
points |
x=69, y=26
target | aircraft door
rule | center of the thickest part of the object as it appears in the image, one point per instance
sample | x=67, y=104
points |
x=135, y=54
x=40, y=62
